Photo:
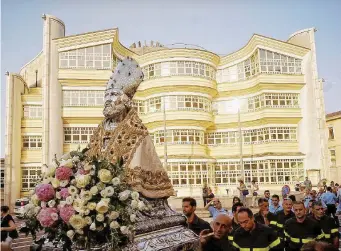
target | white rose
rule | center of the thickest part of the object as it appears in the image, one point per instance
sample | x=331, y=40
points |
x=43, y=204
x=141, y=206
x=88, y=220
x=135, y=195
x=134, y=204
x=62, y=203
x=102, y=207
x=67, y=163
x=69, y=200
x=110, y=191
x=124, y=195
x=66, y=156
x=36, y=210
x=86, y=195
x=54, y=216
x=132, y=217
x=104, y=175
x=94, y=190
x=93, y=226
x=114, y=225
x=87, y=167
x=86, y=211
x=51, y=203
x=100, y=217
x=115, y=181
x=91, y=205
x=75, y=158
x=70, y=234
x=50, y=171
x=77, y=222
x=72, y=190
x=34, y=199
x=100, y=186
x=47, y=180
x=58, y=196
x=82, y=180
x=104, y=193
x=114, y=215
x=63, y=183
x=124, y=230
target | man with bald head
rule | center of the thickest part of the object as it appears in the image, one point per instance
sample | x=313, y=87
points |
x=218, y=239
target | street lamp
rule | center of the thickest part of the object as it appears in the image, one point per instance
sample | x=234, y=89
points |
x=236, y=108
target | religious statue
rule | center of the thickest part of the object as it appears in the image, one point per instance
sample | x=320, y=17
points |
x=122, y=134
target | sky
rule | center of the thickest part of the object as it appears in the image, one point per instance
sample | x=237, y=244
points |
x=220, y=26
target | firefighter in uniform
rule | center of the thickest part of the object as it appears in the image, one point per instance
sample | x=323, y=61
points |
x=264, y=216
x=252, y=235
x=284, y=215
x=327, y=224
x=300, y=230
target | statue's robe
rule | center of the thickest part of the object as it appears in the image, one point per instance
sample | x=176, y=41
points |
x=131, y=141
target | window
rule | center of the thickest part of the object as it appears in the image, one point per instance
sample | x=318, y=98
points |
x=32, y=111
x=331, y=132
x=278, y=171
x=179, y=137
x=273, y=100
x=97, y=57
x=139, y=105
x=332, y=153
x=182, y=68
x=29, y=176
x=31, y=142
x=188, y=173
x=154, y=104
x=333, y=157
x=253, y=136
x=83, y=98
x=78, y=134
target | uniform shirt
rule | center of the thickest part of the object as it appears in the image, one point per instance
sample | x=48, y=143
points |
x=214, y=211
x=261, y=237
x=197, y=225
x=306, y=200
x=213, y=244
x=329, y=198
x=329, y=227
x=274, y=210
x=296, y=234
x=270, y=216
x=281, y=218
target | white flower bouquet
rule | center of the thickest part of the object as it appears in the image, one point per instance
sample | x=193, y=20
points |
x=83, y=202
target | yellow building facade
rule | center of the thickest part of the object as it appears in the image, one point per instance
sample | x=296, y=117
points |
x=194, y=103
x=334, y=145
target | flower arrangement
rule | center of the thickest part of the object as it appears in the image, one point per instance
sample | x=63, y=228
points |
x=84, y=203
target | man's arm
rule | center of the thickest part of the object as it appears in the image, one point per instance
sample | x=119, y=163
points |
x=208, y=205
x=275, y=242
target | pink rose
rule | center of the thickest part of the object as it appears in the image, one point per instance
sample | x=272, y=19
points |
x=45, y=192
x=63, y=173
x=45, y=217
x=64, y=193
x=66, y=212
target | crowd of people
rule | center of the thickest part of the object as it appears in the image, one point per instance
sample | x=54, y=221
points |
x=281, y=223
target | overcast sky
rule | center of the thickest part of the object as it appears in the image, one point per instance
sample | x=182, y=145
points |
x=219, y=26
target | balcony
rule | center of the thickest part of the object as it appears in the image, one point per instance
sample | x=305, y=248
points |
x=178, y=118
x=232, y=150
x=31, y=155
x=192, y=150
x=82, y=111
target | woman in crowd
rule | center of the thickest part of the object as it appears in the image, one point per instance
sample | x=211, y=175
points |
x=243, y=192
x=8, y=229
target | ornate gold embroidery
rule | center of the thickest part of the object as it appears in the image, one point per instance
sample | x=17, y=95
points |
x=126, y=137
x=149, y=182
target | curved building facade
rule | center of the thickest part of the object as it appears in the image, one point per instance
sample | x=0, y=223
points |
x=256, y=113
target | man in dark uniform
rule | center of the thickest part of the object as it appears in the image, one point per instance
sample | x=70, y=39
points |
x=196, y=224
x=235, y=209
x=218, y=239
x=327, y=224
x=283, y=216
x=300, y=230
x=252, y=235
x=264, y=216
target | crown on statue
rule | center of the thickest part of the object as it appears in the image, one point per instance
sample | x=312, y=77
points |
x=126, y=78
